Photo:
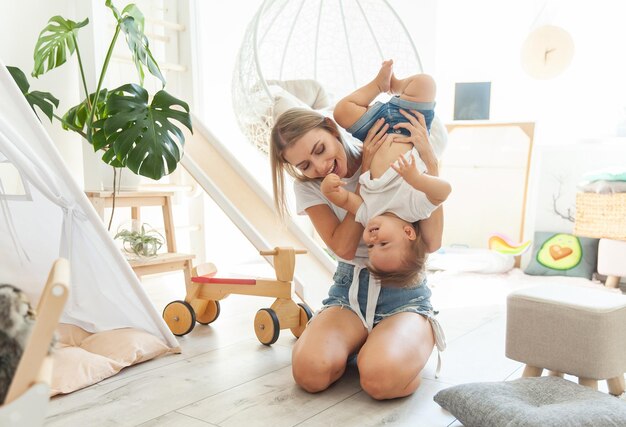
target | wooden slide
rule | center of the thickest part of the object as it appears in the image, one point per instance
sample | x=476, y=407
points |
x=250, y=208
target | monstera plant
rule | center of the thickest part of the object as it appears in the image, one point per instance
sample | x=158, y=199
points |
x=132, y=129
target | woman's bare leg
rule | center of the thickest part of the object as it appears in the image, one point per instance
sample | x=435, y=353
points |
x=392, y=358
x=352, y=107
x=320, y=355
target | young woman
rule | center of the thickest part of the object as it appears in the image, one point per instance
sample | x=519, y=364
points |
x=393, y=330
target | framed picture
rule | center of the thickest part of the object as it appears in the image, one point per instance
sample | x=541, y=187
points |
x=471, y=101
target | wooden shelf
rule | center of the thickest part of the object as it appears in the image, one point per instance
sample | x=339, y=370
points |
x=166, y=262
x=159, y=259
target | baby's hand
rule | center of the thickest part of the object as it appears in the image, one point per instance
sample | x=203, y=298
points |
x=406, y=169
x=332, y=184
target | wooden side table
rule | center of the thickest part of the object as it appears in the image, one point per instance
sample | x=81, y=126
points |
x=603, y=216
x=166, y=262
x=611, y=256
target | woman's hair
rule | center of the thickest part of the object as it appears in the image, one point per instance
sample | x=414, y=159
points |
x=412, y=266
x=290, y=126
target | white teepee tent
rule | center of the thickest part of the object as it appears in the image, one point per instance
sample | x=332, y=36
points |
x=44, y=215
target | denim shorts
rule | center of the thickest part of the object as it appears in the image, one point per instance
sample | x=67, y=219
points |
x=390, y=111
x=414, y=299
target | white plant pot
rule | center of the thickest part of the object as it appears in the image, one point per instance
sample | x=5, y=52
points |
x=129, y=181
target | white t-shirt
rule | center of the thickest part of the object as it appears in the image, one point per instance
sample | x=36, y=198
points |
x=310, y=194
x=391, y=193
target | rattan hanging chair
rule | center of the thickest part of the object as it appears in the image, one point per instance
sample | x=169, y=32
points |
x=338, y=43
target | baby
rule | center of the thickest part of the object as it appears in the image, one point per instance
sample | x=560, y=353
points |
x=396, y=192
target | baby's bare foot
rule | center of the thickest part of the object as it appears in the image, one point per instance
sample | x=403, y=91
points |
x=395, y=86
x=383, y=79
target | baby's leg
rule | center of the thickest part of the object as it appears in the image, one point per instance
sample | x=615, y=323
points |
x=417, y=88
x=352, y=107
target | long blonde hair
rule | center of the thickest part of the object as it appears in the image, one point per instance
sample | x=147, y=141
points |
x=290, y=127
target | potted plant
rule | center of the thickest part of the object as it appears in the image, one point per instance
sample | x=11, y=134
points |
x=131, y=130
x=142, y=242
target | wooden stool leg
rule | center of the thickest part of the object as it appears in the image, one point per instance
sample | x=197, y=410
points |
x=168, y=223
x=588, y=382
x=612, y=282
x=616, y=385
x=135, y=213
x=555, y=374
x=532, y=371
x=98, y=205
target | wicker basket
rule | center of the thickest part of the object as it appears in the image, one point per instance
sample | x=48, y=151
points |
x=601, y=215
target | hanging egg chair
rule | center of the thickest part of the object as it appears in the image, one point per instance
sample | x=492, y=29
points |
x=335, y=45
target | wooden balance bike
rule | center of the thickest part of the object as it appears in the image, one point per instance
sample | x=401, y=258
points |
x=202, y=305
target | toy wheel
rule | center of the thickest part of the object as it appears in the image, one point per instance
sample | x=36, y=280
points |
x=211, y=312
x=305, y=316
x=266, y=326
x=180, y=317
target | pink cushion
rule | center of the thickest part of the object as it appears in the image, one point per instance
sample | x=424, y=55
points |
x=81, y=358
x=75, y=368
x=126, y=346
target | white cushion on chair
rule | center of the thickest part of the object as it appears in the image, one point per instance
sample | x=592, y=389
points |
x=612, y=257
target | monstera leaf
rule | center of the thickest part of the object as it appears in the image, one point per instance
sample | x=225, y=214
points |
x=44, y=100
x=78, y=115
x=131, y=22
x=132, y=129
x=54, y=42
x=142, y=136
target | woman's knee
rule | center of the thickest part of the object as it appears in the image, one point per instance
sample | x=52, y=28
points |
x=376, y=379
x=385, y=378
x=315, y=372
x=320, y=355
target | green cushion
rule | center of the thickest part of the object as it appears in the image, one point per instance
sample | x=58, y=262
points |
x=530, y=402
x=562, y=254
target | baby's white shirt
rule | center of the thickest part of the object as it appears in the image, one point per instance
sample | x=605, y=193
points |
x=391, y=193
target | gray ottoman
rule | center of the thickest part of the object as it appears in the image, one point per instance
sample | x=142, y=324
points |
x=577, y=330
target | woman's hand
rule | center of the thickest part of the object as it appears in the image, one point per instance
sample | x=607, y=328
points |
x=373, y=140
x=416, y=126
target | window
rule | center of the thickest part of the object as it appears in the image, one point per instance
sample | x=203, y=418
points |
x=13, y=186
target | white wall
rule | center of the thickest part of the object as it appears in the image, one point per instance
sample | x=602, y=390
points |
x=577, y=114
x=21, y=22
x=481, y=41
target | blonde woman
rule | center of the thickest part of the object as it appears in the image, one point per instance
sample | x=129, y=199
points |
x=393, y=330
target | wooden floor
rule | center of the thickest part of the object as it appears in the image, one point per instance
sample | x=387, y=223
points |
x=225, y=377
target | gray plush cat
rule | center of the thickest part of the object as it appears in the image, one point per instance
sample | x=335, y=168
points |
x=16, y=321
